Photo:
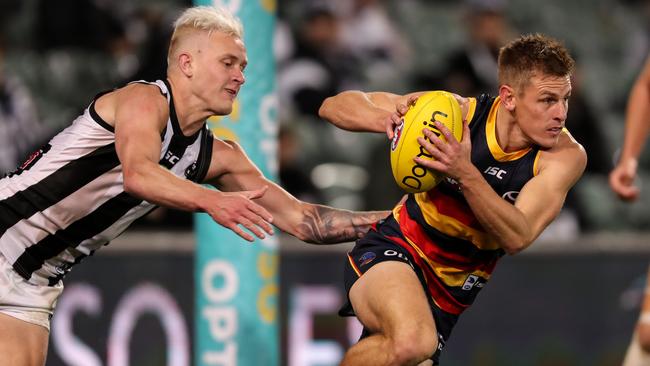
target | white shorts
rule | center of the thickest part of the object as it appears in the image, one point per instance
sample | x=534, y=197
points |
x=25, y=301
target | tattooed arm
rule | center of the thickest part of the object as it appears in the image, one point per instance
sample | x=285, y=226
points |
x=325, y=225
x=231, y=170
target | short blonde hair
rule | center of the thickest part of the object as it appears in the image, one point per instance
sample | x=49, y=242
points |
x=531, y=53
x=208, y=19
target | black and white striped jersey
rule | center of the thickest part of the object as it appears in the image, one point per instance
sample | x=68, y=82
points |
x=67, y=200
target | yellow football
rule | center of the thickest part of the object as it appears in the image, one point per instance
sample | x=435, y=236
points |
x=433, y=106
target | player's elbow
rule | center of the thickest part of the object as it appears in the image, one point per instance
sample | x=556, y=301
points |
x=513, y=249
x=133, y=182
x=516, y=245
x=326, y=110
x=643, y=333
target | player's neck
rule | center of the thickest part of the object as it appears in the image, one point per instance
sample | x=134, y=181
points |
x=508, y=134
x=190, y=111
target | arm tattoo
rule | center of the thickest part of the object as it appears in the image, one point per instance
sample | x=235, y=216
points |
x=326, y=225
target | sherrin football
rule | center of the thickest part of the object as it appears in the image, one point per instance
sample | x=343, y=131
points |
x=433, y=106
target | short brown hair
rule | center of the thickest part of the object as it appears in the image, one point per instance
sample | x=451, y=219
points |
x=522, y=57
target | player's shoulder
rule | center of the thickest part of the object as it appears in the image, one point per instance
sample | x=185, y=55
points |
x=141, y=92
x=228, y=151
x=567, y=152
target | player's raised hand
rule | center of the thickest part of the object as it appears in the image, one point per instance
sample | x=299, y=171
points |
x=621, y=180
x=233, y=209
x=396, y=118
x=452, y=157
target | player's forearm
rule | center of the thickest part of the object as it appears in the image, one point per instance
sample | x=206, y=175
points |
x=354, y=111
x=637, y=125
x=501, y=219
x=157, y=185
x=326, y=225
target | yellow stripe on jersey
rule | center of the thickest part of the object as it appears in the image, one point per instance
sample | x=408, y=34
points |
x=450, y=276
x=471, y=111
x=491, y=134
x=536, y=163
x=396, y=210
x=354, y=266
x=452, y=227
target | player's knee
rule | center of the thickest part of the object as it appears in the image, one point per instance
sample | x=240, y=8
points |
x=643, y=334
x=414, y=346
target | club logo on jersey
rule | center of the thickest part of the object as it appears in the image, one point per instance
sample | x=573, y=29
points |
x=366, y=258
x=63, y=268
x=190, y=172
x=510, y=196
x=31, y=160
x=471, y=282
x=397, y=133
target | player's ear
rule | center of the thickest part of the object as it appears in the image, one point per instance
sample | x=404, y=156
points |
x=507, y=95
x=185, y=64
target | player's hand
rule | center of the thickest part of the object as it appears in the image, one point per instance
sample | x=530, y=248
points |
x=621, y=180
x=397, y=117
x=233, y=209
x=452, y=158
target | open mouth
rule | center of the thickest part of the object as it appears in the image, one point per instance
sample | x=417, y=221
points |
x=554, y=130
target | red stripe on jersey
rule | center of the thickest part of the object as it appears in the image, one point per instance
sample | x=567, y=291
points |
x=436, y=289
x=414, y=231
x=455, y=208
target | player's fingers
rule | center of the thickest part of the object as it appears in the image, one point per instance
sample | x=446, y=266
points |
x=248, y=224
x=260, y=211
x=392, y=123
x=445, y=132
x=402, y=109
x=628, y=194
x=435, y=140
x=431, y=164
x=412, y=100
x=432, y=148
x=389, y=129
x=260, y=221
x=237, y=230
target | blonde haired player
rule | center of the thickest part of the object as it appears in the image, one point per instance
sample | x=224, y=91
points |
x=622, y=182
x=413, y=274
x=133, y=148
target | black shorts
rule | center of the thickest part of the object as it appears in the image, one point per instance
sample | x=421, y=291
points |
x=375, y=248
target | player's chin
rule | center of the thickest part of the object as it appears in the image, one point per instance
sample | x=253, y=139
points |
x=223, y=109
x=547, y=142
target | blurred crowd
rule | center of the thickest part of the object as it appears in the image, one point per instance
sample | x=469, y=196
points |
x=54, y=56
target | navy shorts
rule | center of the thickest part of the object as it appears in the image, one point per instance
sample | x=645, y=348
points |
x=375, y=248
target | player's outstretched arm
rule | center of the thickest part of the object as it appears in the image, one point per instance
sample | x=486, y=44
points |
x=141, y=113
x=232, y=170
x=637, y=128
x=355, y=110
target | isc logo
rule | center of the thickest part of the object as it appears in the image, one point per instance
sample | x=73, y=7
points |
x=492, y=170
x=170, y=157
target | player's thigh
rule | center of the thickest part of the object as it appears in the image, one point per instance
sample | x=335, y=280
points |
x=22, y=343
x=389, y=298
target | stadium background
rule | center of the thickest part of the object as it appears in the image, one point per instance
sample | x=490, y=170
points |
x=570, y=300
